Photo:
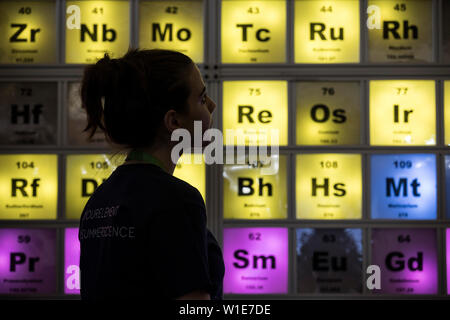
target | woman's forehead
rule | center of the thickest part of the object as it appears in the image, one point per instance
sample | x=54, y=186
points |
x=196, y=79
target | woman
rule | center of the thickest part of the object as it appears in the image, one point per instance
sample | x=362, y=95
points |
x=143, y=232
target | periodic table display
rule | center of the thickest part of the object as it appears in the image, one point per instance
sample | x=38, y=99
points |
x=341, y=109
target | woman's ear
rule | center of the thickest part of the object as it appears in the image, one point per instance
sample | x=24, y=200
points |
x=172, y=121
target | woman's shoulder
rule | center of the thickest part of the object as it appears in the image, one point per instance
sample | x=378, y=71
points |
x=187, y=190
x=151, y=182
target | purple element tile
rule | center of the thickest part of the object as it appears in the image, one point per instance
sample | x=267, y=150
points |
x=256, y=260
x=448, y=261
x=27, y=261
x=71, y=261
x=407, y=259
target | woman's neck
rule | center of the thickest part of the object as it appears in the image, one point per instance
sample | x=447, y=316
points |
x=163, y=154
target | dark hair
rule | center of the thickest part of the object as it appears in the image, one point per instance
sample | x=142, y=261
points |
x=138, y=90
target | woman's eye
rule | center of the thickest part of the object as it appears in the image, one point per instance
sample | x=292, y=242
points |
x=204, y=99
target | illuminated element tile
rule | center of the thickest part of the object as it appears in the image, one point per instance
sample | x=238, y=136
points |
x=447, y=112
x=84, y=173
x=328, y=113
x=326, y=31
x=407, y=259
x=173, y=25
x=253, y=31
x=28, y=31
x=255, y=189
x=191, y=168
x=448, y=261
x=104, y=28
x=71, y=261
x=329, y=260
x=403, y=186
x=446, y=31
x=447, y=185
x=28, y=113
x=402, y=112
x=256, y=260
x=28, y=186
x=404, y=33
x=28, y=261
x=252, y=109
x=77, y=120
x=329, y=186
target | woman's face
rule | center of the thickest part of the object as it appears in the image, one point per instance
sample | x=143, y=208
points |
x=200, y=106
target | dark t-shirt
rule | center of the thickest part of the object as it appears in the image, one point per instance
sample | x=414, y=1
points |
x=143, y=234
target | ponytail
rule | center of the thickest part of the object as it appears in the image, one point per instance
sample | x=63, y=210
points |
x=96, y=80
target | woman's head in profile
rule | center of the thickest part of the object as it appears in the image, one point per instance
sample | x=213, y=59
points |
x=138, y=100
